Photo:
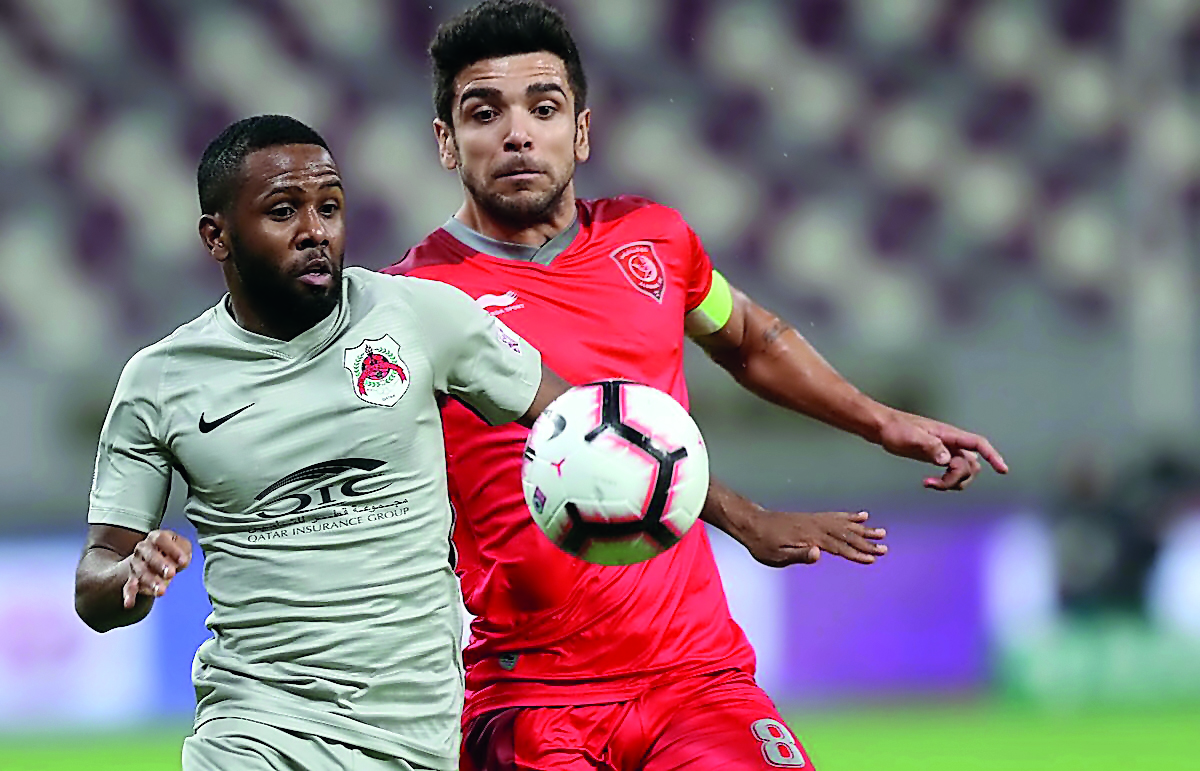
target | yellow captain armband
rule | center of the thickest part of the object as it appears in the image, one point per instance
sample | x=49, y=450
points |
x=714, y=311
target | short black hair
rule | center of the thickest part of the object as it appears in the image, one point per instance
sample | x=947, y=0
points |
x=216, y=177
x=496, y=28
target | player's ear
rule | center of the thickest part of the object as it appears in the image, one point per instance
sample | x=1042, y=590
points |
x=212, y=235
x=583, y=146
x=447, y=149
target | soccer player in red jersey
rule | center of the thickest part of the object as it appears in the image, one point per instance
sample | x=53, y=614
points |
x=573, y=665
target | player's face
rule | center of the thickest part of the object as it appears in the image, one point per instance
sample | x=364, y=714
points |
x=286, y=234
x=515, y=139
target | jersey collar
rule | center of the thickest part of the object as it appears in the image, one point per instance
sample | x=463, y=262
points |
x=311, y=340
x=542, y=255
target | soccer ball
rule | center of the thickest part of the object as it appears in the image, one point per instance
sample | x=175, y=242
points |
x=615, y=472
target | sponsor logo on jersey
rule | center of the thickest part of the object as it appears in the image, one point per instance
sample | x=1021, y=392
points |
x=325, y=497
x=321, y=485
x=378, y=374
x=642, y=267
x=499, y=304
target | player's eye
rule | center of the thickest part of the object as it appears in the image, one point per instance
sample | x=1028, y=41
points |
x=484, y=115
x=545, y=110
x=330, y=209
x=281, y=212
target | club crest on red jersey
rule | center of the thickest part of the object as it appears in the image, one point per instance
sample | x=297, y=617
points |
x=379, y=375
x=642, y=267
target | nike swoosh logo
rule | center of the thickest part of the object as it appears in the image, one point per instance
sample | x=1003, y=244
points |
x=560, y=425
x=206, y=426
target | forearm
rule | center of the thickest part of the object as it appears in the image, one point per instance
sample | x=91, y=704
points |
x=729, y=512
x=777, y=539
x=99, y=579
x=775, y=362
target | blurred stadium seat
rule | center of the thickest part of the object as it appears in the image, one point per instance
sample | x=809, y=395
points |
x=903, y=175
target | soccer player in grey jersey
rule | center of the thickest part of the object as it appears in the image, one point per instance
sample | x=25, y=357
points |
x=302, y=412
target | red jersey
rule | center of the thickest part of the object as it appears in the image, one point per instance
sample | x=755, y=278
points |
x=550, y=629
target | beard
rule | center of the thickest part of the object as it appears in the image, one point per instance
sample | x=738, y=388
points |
x=281, y=298
x=520, y=209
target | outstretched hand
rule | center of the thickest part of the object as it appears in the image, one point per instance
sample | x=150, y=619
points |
x=919, y=438
x=154, y=562
x=779, y=538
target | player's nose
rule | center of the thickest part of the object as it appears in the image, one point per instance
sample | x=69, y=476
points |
x=519, y=136
x=313, y=229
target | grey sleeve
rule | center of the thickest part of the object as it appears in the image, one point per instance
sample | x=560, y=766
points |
x=476, y=358
x=133, y=470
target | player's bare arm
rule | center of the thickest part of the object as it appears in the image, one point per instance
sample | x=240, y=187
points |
x=551, y=387
x=122, y=571
x=771, y=359
x=778, y=538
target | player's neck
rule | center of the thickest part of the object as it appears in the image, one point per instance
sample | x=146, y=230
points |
x=270, y=322
x=528, y=234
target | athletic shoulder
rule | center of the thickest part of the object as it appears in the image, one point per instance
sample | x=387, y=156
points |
x=636, y=211
x=143, y=375
x=197, y=331
x=438, y=249
x=422, y=296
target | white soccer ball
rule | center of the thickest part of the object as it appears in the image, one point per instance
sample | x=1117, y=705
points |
x=615, y=472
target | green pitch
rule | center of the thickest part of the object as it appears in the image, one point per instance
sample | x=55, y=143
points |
x=1001, y=739
x=903, y=739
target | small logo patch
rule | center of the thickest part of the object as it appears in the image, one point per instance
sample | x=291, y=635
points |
x=641, y=266
x=379, y=375
x=508, y=661
x=206, y=425
x=507, y=336
x=539, y=500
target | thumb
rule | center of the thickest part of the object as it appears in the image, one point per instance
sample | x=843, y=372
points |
x=806, y=555
x=129, y=592
x=936, y=451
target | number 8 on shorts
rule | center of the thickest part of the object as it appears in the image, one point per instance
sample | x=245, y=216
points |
x=778, y=744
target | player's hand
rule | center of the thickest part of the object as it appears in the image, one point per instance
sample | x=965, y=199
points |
x=919, y=438
x=779, y=538
x=154, y=562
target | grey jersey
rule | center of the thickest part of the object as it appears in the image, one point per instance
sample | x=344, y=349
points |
x=317, y=484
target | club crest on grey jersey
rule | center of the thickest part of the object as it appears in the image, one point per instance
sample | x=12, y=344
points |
x=378, y=374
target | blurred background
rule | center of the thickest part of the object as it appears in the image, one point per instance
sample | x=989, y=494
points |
x=981, y=210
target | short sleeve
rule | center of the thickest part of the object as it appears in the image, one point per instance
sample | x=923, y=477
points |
x=133, y=470
x=477, y=359
x=699, y=272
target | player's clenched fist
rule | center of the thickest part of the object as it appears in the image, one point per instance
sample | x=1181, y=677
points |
x=154, y=562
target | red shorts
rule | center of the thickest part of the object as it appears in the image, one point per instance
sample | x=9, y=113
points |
x=722, y=721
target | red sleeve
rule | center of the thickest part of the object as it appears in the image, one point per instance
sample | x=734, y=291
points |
x=699, y=279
